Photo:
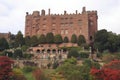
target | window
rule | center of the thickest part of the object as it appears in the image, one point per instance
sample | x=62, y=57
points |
x=44, y=25
x=62, y=31
x=91, y=23
x=53, y=24
x=80, y=22
x=71, y=24
x=66, y=31
x=80, y=31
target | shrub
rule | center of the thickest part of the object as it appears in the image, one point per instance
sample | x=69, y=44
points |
x=73, y=53
x=18, y=75
x=5, y=68
x=27, y=56
x=84, y=54
x=39, y=75
x=110, y=71
x=28, y=69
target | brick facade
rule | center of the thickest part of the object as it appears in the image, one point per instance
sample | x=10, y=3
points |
x=84, y=23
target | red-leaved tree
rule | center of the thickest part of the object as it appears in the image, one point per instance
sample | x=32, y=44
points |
x=110, y=71
x=5, y=68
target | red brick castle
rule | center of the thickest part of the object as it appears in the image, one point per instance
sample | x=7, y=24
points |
x=84, y=23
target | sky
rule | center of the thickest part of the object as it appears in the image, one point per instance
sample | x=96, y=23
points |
x=13, y=12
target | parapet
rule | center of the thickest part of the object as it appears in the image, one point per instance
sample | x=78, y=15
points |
x=36, y=13
x=92, y=12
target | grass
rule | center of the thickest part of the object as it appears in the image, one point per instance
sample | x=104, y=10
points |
x=29, y=76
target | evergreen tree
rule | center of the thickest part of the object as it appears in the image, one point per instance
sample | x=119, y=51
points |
x=50, y=38
x=34, y=41
x=3, y=44
x=66, y=40
x=42, y=39
x=19, y=40
x=58, y=39
x=74, y=38
x=27, y=41
x=81, y=40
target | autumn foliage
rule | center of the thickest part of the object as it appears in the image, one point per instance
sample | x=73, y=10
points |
x=5, y=68
x=110, y=71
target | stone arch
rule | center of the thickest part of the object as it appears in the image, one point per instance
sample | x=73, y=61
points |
x=64, y=50
x=54, y=51
x=59, y=50
x=48, y=51
x=43, y=50
x=38, y=51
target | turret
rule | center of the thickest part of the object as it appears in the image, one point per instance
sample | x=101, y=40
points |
x=42, y=12
x=48, y=11
x=35, y=13
x=65, y=12
x=83, y=10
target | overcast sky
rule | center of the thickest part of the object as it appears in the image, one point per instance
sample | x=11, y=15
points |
x=12, y=12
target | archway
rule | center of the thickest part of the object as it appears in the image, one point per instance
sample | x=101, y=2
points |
x=59, y=50
x=53, y=51
x=48, y=51
x=37, y=51
x=43, y=50
x=64, y=50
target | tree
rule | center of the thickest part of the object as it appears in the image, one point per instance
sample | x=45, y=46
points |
x=5, y=68
x=106, y=41
x=74, y=38
x=110, y=71
x=18, y=53
x=66, y=40
x=19, y=40
x=27, y=41
x=58, y=39
x=101, y=39
x=34, y=41
x=81, y=40
x=3, y=44
x=73, y=53
x=50, y=38
x=39, y=75
x=42, y=39
x=112, y=42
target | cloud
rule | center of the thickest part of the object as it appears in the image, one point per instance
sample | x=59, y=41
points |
x=12, y=13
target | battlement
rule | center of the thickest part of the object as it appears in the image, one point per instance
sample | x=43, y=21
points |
x=92, y=12
x=43, y=12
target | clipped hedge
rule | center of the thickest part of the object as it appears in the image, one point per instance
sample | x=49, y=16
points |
x=84, y=54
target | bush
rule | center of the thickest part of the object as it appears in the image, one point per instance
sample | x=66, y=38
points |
x=73, y=53
x=109, y=71
x=39, y=75
x=108, y=57
x=7, y=53
x=18, y=75
x=84, y=54
x=18, y=53
x=71, y=60
x=28, y=69
x=27, y=56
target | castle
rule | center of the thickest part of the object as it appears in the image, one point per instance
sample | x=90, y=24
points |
x=84, y=23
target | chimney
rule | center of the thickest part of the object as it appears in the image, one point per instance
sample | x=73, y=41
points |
x=27, y=13
x=83, y=10
x=65, y=12
x=43, y=12
x=76, y=11
x=48, y=11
